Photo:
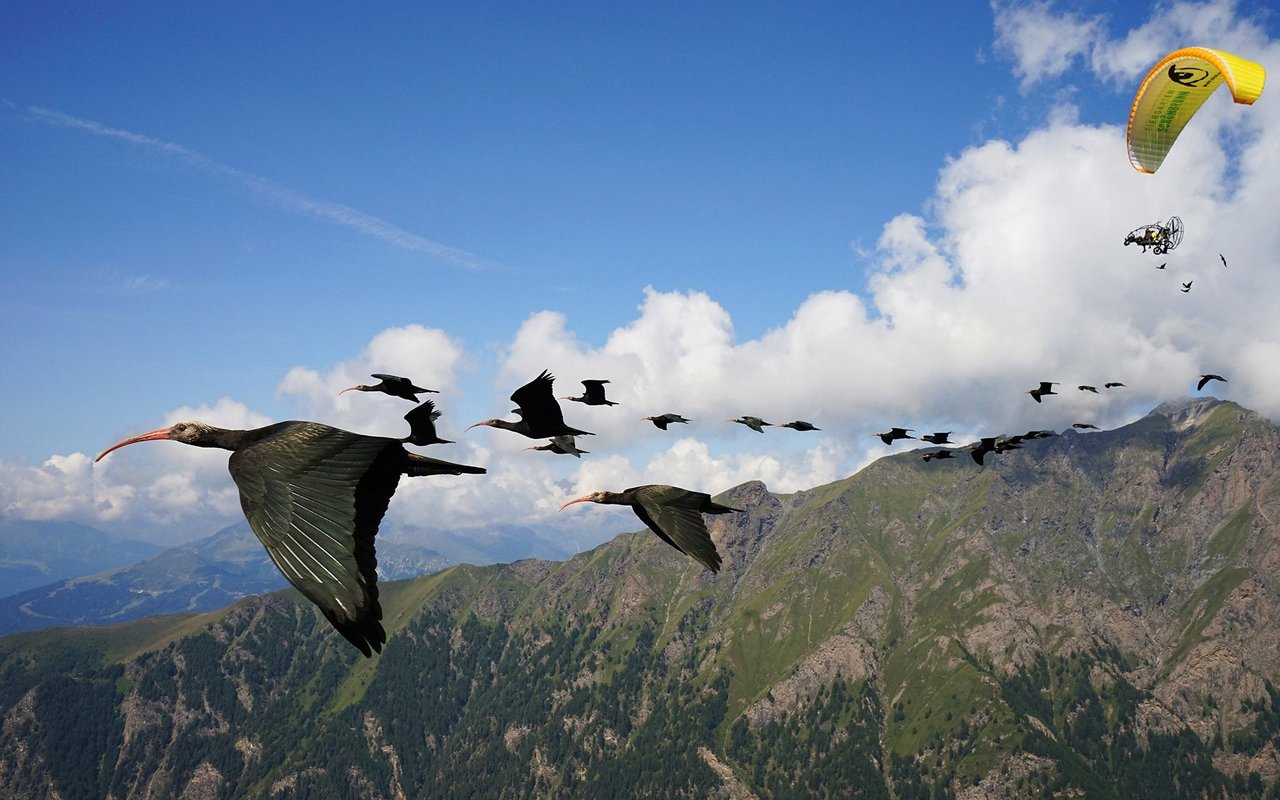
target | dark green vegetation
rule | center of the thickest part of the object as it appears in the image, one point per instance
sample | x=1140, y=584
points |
x=1091, y=616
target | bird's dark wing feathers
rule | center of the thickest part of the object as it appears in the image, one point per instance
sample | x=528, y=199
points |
x=538, y=406
x=674, y=515
x=315, y=495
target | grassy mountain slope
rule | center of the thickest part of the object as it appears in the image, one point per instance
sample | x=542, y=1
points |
x=1094, y=615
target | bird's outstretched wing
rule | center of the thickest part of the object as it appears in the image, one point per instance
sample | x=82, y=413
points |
x=674, y=514
x=315, y=495
x=538, y=406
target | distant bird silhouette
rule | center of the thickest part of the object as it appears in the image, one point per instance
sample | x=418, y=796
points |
x=893, y=434
x=663, y=420
x=1038, y=434
x=1084, y=426
x=1112, y=385
x=561, y=445
x=540, y=415
x=937, y=437
x=673, y=513
x=978, y=451
x=1210, y=377
x=799, y=425
x=1045, y=387
x=393, y=385
x=314, y=496
x=754, y=423
x=592, y=394
x=422, y=425
x=1224, y=259
x=937, y=454
x=1186, y=287
x=1162, y=266
x=1082, y=387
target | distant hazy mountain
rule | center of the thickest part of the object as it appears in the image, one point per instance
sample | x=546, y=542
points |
x=34, y=553
x=1091, y=616
x=201, y=576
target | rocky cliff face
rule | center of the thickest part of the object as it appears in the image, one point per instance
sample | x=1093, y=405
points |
x=1095, y=614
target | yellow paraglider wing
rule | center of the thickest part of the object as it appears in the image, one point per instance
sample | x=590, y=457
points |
x=1173, y=92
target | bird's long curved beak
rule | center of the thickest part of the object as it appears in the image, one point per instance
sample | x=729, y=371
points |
x=348, y=389
x=162, y=433
x=476, y=425
x=583, y=499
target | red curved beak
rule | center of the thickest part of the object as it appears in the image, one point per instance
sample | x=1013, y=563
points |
x=162, y=433
x=584, y=499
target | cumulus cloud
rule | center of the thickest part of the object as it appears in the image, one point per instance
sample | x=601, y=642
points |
x=1013, y=273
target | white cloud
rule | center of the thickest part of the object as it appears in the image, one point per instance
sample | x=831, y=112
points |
x=1043, y=43
x=1016, y=273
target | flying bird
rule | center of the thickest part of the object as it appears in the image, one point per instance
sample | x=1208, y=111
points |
x=1162, y=266
x=1206, y=378
x=1084, y=426
x=978, y=451
x=893, y=434
x=1045, y=387
x=314, y=496
x=561, y=445
x=754, y=423
x=1038, y=434
x=937, y=454
x=1223, y=258
x=592, y=394
x=1082, y=387
x=422, y=425
x=663, y=420
x=540, y=415
x=937, y=437
x=393, y=385
x=673, y=513
x=1186, y=287
x=1112, y=385
x=799, y=425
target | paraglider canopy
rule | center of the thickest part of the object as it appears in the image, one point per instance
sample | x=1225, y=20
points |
x=1173, y=92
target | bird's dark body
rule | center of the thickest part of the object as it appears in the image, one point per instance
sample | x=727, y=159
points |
x=315, y=496
x=663, y=420
x=593, y=394
x=540, y=414
x=674, y=514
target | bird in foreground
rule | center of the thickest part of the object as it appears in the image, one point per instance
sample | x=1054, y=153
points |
x=1084, y=426
x=561, y=445
x=1045, y=387
x=937, y=437
x=314, y=495
x=754, y=423
x=799, y=425
x=893, y=434
x=1112, y=385
x=663, y=420
x=979, y=450
x=592, y=394
x=393, y=385
x=1082, y=387
x=1206, y=378
x=422, y=425
x=1186, y=287
x=540, y=415
x=673, y=513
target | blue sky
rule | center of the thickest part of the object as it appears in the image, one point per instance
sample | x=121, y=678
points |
x=243, y=208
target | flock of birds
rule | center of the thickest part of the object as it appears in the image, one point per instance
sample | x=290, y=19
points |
x=315, y=495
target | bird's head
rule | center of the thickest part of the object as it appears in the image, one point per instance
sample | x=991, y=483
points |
x=359, y=387
x=196, y=433
x=594, y=497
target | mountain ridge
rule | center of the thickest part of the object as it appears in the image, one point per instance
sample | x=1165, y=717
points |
x=1093, y=614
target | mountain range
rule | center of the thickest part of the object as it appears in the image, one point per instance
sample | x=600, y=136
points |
x=34, y=553
x=204, y=575
x=1093, y=615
